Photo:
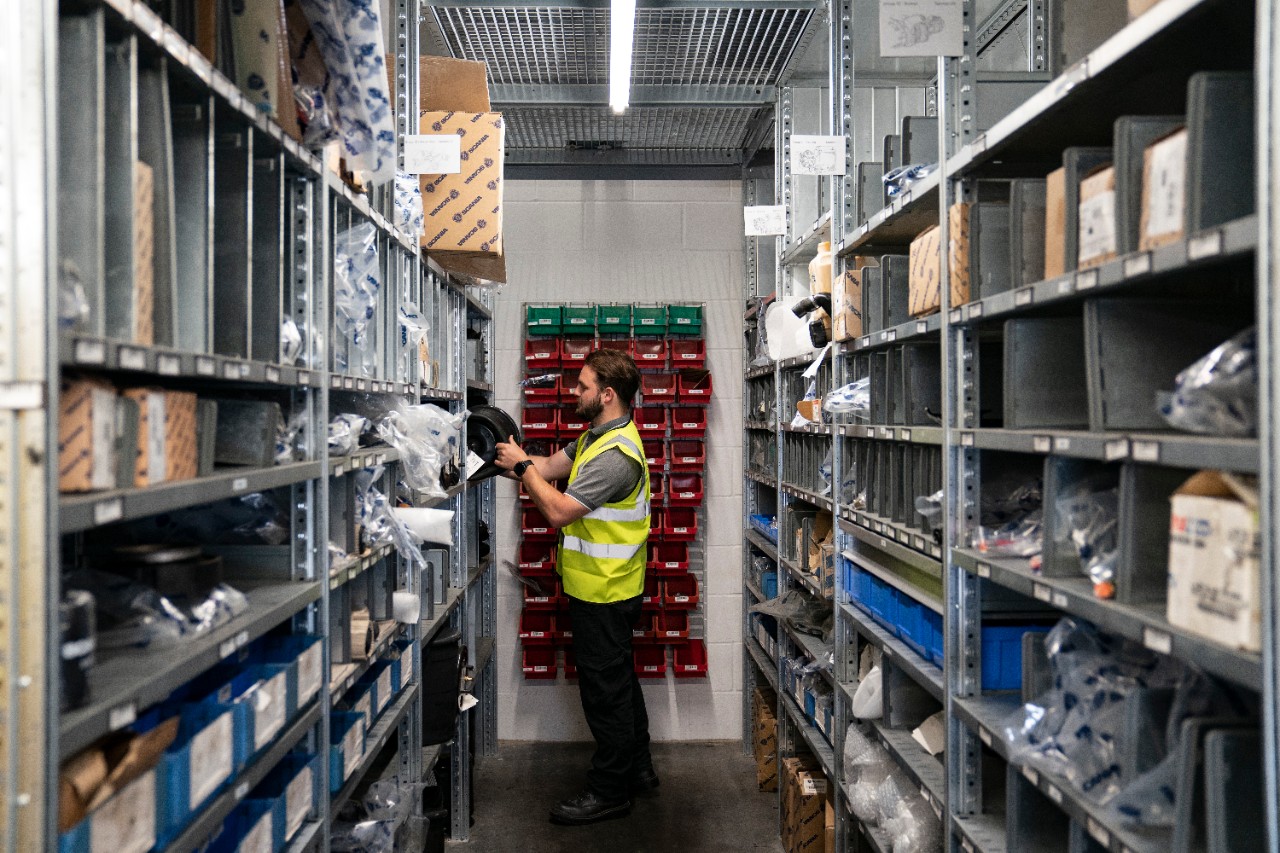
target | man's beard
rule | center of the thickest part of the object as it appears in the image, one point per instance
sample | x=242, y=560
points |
x=589, y=409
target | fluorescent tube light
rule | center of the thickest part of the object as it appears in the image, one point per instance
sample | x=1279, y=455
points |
x=622, y=36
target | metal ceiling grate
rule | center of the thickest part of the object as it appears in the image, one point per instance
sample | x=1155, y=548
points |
x=640, y=128
x=559, y=45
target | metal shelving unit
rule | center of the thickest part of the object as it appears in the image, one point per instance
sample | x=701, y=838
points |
x=143, y=93
x=1086, y=67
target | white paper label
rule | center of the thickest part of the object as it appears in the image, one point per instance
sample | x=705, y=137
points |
x=1137, y=265
x=90, y=352
x=1117, y=449
x=122, y=716
x=1041, y=443
x=1204, y=246
x=1157, y=641
x=966, y=845
x=984, y=571
x=1042, y=592
x=921, y=28
x=1059, y=600
x=132, y=359
x=985, y=736
x=210, y=759
x=474, y=464
x=1054, y=794
x=384, y=689
x=1087, y=280
x=1023, y=297
x=1099, y=833
x=126, y=823
x=168, y=365
x=352, y=750
x=1031, y=775
x=1066, y=286
x=1146, y=451
x=309, y=674
x=239, y=484
x=206, y=367
x=1166, y=191
x=105, y=512
x=433, y=154
x=156, y=468
x=1062, y=444
x=1098, y=226
x=270, y=710
x=298, y=798
x=765, y=220
x=818, y=155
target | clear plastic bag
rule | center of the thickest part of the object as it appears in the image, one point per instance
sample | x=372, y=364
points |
x=1218, y=394
x=868, y=700
x=850, y=401
x=316, y=112
x=134, y=615
x=344, y=434
x=1088, y=518
x=287, y=449
x=413, y=335
x=367, y=836
x=930, y=508
x=914, y=827
x=1023, y=538
x=357, y=279
x=74, y=312
x=899, y=179
x=409, y=216
x=290, y=342
x=426, y=436
x=379, y=524
x=864, y=792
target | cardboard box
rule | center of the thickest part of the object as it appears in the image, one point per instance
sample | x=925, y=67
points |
x=86, y=436
x=958, y=253
x=463, y=211
x=1097, y=235
x=144, y=267
x=150, y=467
x=1055, y=224
x=924, y=295
x=847, y=306
x=182, y=458
x=1137, y=7
x=1215, y=579
x=764, y=738
x=1164, y=191
x=803, y=805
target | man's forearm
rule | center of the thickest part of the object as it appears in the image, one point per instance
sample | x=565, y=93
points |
x=556, y=507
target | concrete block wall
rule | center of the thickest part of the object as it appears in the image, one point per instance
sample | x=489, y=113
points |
x=632, y=241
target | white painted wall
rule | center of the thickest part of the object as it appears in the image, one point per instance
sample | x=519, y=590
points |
x=624, y=241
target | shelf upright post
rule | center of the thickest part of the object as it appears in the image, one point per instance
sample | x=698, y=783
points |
x=28, y=381
x=1268, y=273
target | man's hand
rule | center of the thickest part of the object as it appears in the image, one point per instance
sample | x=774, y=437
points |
x=509, y=454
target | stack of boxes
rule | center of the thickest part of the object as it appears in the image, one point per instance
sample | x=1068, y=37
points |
x=808, y=819
x=764, y=737
x=667, y=345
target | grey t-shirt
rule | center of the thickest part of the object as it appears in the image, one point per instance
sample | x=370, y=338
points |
x=609, y=477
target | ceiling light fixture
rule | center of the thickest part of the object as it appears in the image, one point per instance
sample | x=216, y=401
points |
x=622, y=36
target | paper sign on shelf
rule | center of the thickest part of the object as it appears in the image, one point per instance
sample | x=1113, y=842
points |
x=765, y=220
x=818, y=155
x=921, y=28
x=432, y=154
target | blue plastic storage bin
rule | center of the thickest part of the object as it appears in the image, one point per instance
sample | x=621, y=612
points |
x=882, y=603
x=1002, y=655
x=933, y=636
x=207, y=752
x=255, y=824
x=304, y=654
x=769, y=583
x=767, y=527
x=860, y=588
x=263, y=721
x=911, y=624
x=293, y=781
x=347, y=731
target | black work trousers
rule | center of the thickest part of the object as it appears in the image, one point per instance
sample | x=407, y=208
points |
x=611, y=697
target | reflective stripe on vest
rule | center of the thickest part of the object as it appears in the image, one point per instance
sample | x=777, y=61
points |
x=602, y=555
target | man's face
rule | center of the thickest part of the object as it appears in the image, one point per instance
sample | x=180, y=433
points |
x=589, y=403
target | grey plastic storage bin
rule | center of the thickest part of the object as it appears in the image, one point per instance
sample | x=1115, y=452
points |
x=1026, y=230
x=1220, y=148
x=1132, y=136
x=870, y=190
x=895, y=282
x=1045, y=385
x=919, y=140
x=1078, y=162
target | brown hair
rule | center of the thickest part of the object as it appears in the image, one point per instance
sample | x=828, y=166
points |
x=615, y=369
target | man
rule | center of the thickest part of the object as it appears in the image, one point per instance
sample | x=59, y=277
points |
x=604, y=522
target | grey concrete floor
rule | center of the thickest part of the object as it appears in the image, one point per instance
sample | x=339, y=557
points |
x=707, y=803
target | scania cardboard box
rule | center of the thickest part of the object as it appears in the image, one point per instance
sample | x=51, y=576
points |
x=463, y=211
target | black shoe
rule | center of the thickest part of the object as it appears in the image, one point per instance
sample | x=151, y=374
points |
x=589, y=807
x=645, y=780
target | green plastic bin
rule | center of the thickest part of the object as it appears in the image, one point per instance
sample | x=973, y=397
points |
x=684, y=319
x=613, y=319
x=649, y=320
x=579, y=320
x=543, y=319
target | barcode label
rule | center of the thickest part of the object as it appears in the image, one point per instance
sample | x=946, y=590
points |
x=122, y=716
x=1117, y=449
x=1137, y=265
x=1204, y=246
x=133, y=359
x=1087, y=280
x=1157, y=641
x=1042, y=592
x=239, y=484
x=105, y=512
x=922, y=326
x=1146, y=451
x=984, y=571
x=1023, y=297
x=90, y=352
x=206, y=367
x=1042, y=443
x=168, y=365
x=975, y=310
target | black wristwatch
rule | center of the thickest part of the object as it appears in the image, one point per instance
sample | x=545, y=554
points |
x=520, y=467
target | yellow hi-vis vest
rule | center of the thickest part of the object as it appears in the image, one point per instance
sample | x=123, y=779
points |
x=602, y=555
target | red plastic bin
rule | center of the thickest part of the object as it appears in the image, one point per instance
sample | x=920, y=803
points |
x=652, y=597
x=657, y=488
x=657, y=522
x=572, y=424
x=688, y=422
x=693, y=386
x=689, y=660
x=534, y=526
x=574, y=351
x=538, y=663
x=651, y=421
x=669, y=558
x=536, y=558
x=684, y=490
x=541, y=353
x=688, y=355
x=533, y=601
x=658, y=388
x=671, y=626
x=539, y=422
x=650, y=661
x=642, y=631
x=621, y=345
x=680, y=524
x=570, y=664
x=687, y=455
x=547, y=394
x=537, y=627
x=649, y=353
x=655, y=453
x=680, y=593
x=563, y=635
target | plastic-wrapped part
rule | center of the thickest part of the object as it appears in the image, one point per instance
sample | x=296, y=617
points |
x=290, y=342
x=891, y=792
x=357, y=278
x=74, y=312
x=914, y=828
x=344, y=434
x=315, y=110
x=413, y=333
x=253, y=519
x=337, y=554
x=409, y=215
x=1024, y=538
x=367, y=836
x=1089, y=518
x=858, y=750
x=1002, y=507
x=134, y=615
x=426, y=436
x=287, y=449
x=850, y=401
x=898, y=180
x=868, y=700
x=1218, y=394
x=801, y=611
x=379, y=524
x=864, y=792
x=930, y=508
